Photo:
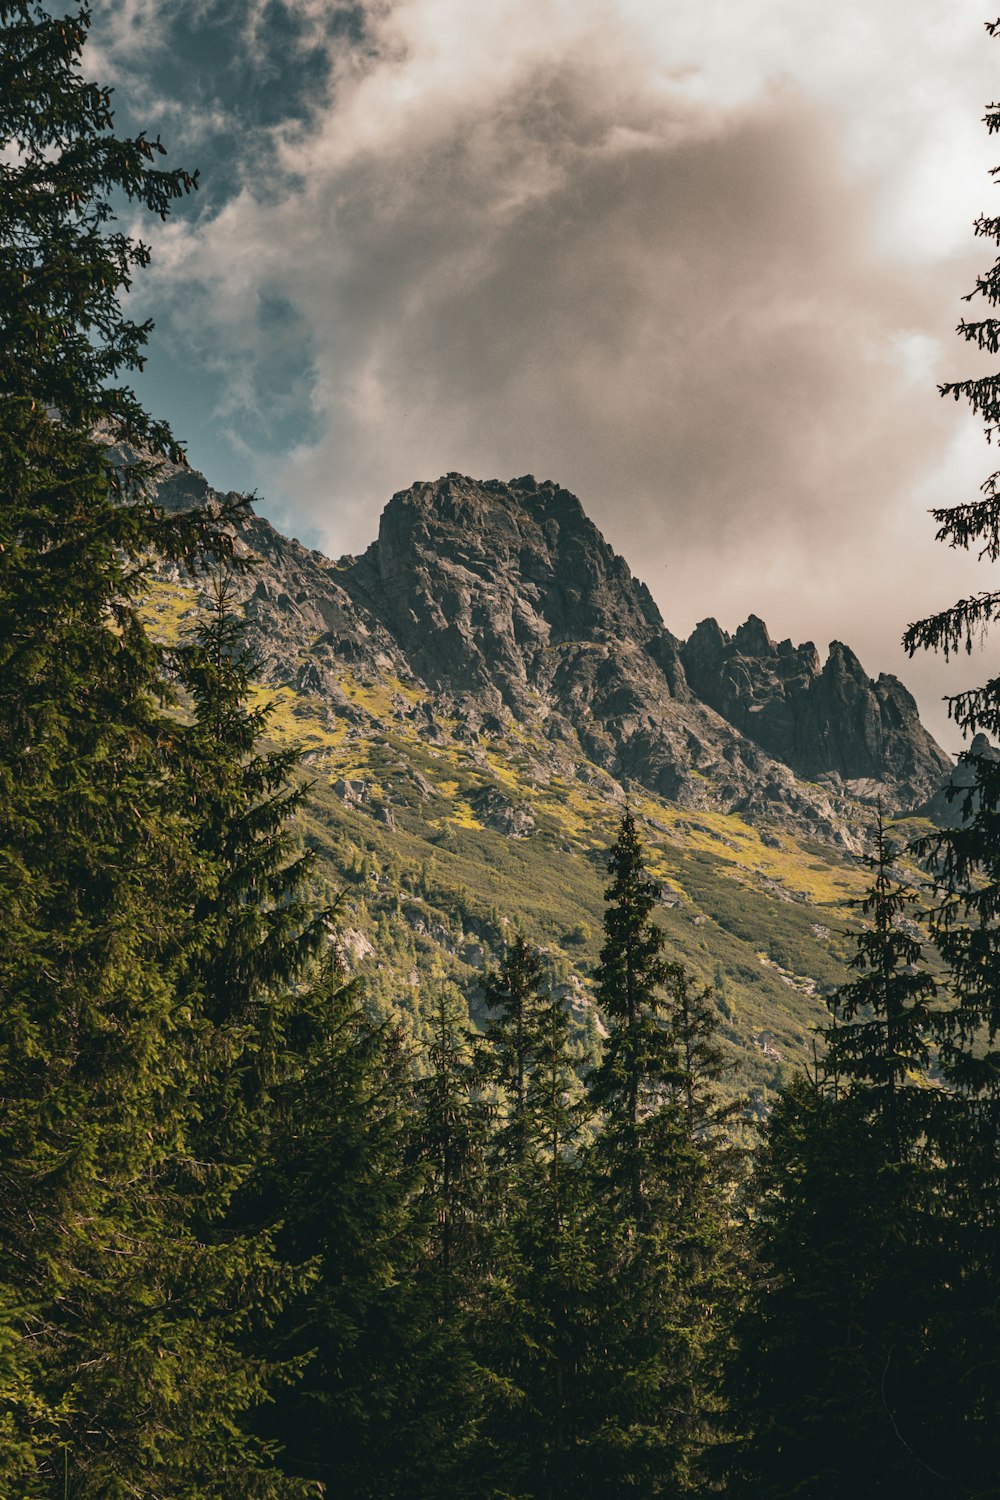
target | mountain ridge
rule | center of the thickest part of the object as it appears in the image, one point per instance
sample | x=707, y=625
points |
x=504, y=603
x=823, y=719
x=477, y=695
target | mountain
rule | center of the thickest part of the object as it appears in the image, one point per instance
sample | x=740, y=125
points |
x=481, y=689
x=504, y=605
x=949, y=806
x=828, y=722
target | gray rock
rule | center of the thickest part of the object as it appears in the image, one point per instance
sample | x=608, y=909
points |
x=351, y=790
x=954, y=797
x=497, y=811
x=503, y=605
x=822, y=721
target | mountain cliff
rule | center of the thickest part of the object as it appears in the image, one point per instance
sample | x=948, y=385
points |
x=481, y=689
x=505, y=605
x=828, y=722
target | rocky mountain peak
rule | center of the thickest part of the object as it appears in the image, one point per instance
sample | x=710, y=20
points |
x=499, y=603
x=952, y=801
x=826, y=721
x=476, y=578
x=752, y=638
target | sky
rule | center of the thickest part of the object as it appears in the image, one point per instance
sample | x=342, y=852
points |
x=701, y=264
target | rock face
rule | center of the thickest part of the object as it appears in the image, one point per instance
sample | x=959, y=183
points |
x=499, y=608
x=506, y=602
x=951, y=803
x=477, y=581
x=829, y=720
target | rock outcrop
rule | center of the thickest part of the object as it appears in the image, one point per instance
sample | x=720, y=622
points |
x=501, y=608
x=828, y=720
x=476, y=581
x=956, y=798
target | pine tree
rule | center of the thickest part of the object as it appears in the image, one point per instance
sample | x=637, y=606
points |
x=966, y=929
x=661, y=1184
x=369, y=1416
x=892, y=1384
x=124, y=1319
x=253, y=938
x=86, y=881
x=452, y=1141
x=456, y=1248
x=255, y=923
x=884, y=1020
x=64, y=339
x=641, y=1063
x=841, y=1379
x=512, y=993
x=533, y=1328
x=827, y=1382
x=171, y=1291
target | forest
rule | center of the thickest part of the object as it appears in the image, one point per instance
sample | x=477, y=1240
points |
x=254, y=1240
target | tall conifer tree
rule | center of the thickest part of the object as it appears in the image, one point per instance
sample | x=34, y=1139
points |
x=255, y=925
x=641, y=1063
x=453, y=1132
x=369, y=1415
x=824, y=1382
x=661, y=1196
x=838, y=1380
x=449, y=1146
x=512, y=992
x=533, y=1334
x=967, y=931
x=904, y=1396
x=884, y=1019
x=105, y=1031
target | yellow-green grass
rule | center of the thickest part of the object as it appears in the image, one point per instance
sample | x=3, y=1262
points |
x=746, y=908
x=168, y=610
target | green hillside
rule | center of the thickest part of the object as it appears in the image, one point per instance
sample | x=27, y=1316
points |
x=758, y=912
x=439, y=848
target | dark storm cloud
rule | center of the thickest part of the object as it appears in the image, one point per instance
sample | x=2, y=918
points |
x=681, y=320
x=691, y=328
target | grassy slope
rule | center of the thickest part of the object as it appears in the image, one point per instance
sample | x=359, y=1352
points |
x=762, y=915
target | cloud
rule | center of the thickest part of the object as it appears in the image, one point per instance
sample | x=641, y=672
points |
x=699, y=265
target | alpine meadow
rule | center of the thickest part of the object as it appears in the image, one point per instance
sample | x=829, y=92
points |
x=459, y=1039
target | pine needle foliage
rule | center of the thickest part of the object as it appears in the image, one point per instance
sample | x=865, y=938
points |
x=255, y=923
x=661, y=1180
x=966, y=929
x=454, y=1115
x=836, y=1384
x=641, y=1066
x=64, y=340
x=537, y=1313
x=838, y=1378
x=128, y=1301
x=885, y=1021
x=370, y=1413
x=512, y=995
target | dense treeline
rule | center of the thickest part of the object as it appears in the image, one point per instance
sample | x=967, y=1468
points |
x=254, y=1243
x=509, y=1302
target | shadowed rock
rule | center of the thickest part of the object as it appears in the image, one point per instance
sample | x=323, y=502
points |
x=821, y=720
x=503, y=606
